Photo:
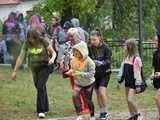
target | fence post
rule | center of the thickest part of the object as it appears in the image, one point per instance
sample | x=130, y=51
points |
x=140, y=27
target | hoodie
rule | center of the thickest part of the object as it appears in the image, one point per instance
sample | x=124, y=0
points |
x=84, y=70
x=102, y=57
x=137, y=71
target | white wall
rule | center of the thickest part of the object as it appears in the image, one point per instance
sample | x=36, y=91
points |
x=23, y=7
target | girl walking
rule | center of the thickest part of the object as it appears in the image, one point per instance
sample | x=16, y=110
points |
x=73, y=39
x=37, y=49
x=82, y=70
x=132, y=76
x=156, y=80
x=101, y=55
x=10, y=30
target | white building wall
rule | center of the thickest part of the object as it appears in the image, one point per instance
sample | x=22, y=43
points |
x=23, y=7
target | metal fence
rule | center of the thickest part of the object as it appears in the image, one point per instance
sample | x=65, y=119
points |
x=118, y=53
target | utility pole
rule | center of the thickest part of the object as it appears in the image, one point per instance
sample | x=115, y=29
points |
x=140, y=26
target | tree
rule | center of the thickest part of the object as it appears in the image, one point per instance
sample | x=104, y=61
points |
x=125, y=22
x=65, y=9
x=124, y=18
x=90, y=12
x=158, y=16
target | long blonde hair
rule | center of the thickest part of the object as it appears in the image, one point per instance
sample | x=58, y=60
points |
x=131, y=48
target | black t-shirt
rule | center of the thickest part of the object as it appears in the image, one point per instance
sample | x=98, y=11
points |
x=156, y=60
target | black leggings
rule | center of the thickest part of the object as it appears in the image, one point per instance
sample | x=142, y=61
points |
x=87, y=99
x=40, y=77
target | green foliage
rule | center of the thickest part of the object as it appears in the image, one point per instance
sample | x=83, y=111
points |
x=158, y=16
x=65, y=9
x=93, y=12
x=149, y=16
x=87, y=11
x=125, y=18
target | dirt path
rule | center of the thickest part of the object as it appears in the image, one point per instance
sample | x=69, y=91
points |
x=147, y=115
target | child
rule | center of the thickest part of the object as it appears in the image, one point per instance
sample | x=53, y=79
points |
x=36, y=48
x=82, y=70
x=132, y=75
x=101, y=54
x=65, y=63
x=156, y=80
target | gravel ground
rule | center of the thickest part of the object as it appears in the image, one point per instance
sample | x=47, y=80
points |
x=147, y=115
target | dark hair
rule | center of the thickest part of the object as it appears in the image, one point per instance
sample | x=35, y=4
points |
x=35, y=35
x=12, y=17
x=20, y=17
x=67, y=25
x=57, y=19
x=97, y=32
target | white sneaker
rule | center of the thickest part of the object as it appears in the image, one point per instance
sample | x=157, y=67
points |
x=140, y=117
x=80, y=118
x=93, y=118
x=41, y=115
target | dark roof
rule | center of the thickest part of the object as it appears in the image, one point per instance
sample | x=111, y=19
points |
x=8, y=2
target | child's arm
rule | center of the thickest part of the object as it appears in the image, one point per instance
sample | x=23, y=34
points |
x=86, y=75
x=19, y=61
x=137, y=70
x=53, y=53
x=107, y=61
x=102, y=62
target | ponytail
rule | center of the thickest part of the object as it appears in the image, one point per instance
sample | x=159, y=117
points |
x=97, y=32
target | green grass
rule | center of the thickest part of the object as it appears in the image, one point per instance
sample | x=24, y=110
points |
x=17, y=98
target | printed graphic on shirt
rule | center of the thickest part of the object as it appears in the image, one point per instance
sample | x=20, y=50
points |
x=35, y=51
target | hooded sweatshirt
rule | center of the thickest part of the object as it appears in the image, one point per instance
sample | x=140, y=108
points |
x=102, y=57
x=84, y=70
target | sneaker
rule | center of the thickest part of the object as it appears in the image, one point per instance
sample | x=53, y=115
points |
x=80, y=118
x=139, y=117
x=93, y=118
x=41, y=115
x=131, y=118
x=104, y=116
x=136, y=117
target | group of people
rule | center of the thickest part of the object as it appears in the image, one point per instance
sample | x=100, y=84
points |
x=84, y=59
x=13, y=35
x=77, y=62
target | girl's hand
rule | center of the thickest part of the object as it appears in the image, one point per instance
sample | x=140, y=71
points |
x=13, y=76
x=51, y=61
x=76, y=73
x=62, y=66
x=70, y=72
